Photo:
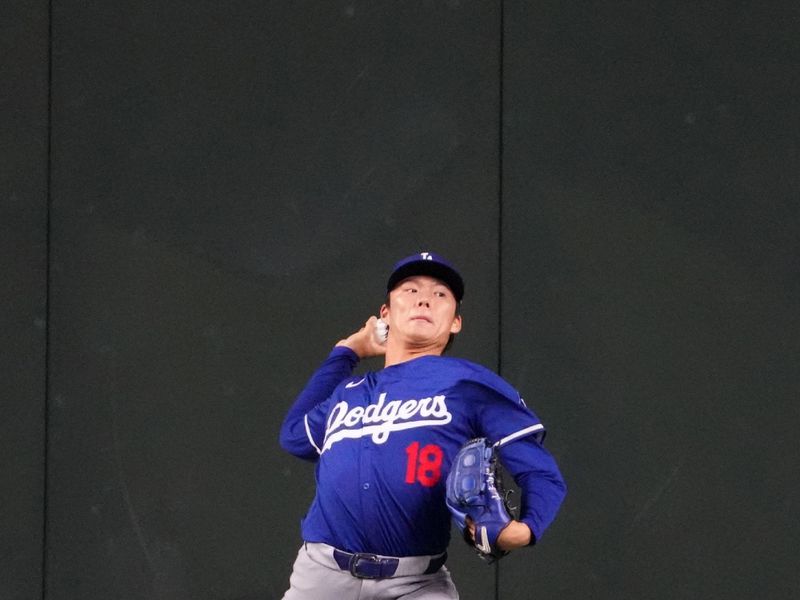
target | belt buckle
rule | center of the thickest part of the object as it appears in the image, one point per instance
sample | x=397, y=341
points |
x=363, y=556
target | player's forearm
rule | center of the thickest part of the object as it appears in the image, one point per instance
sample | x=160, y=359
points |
x=542, y=495
x=337, y=367
x=541, y=485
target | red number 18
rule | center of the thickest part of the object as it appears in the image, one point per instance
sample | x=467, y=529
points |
x=424, y=465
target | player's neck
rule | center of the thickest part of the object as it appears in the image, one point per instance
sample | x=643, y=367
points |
x=400, y=354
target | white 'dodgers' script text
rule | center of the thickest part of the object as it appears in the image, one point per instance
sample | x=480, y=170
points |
x=382, y=418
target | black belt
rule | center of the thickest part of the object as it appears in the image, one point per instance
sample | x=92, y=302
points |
x=372, y=566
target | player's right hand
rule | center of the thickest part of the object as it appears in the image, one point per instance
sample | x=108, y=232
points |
x=363, y=342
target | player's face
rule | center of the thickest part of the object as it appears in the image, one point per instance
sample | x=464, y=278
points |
x=421, y=311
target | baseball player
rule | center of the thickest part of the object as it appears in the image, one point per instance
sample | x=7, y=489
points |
x=384, y=443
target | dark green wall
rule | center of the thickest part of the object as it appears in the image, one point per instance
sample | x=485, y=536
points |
x=650, y=290
x=226, y=189
x=232, y=183
x=23, y=294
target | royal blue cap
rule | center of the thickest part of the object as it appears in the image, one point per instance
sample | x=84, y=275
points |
x=430, y=264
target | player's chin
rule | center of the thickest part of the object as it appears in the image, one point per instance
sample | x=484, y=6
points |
x=427, y=329
x=421, y=331
x=425, y=340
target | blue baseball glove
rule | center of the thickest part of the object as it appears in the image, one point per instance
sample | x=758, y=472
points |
x=475, y=492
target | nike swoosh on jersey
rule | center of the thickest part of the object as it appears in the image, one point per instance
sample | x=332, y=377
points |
x=353, y=384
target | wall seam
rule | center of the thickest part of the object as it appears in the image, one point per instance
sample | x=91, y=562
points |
x=500, y=170
x=48, y=307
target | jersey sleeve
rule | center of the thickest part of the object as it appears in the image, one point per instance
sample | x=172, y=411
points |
x=303, y=428
x=541, y=485
x=502, y=417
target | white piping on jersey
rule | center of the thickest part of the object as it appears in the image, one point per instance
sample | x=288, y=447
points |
x=519, y=434
x=308, y=433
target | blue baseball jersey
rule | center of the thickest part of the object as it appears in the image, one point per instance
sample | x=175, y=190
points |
x=384, y=442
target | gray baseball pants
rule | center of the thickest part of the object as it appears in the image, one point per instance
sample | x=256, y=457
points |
x=317, y=576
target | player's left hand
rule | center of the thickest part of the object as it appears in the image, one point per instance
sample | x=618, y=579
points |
x=515, y=535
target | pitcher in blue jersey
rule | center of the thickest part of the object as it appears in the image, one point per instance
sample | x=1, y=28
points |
x=383, y=443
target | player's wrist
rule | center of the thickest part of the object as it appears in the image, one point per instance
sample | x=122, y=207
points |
x=515, y=535
x=342, y=351
x=355, y=345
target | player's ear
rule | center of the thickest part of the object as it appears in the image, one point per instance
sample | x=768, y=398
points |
x=456, y=325
x=384, y=311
